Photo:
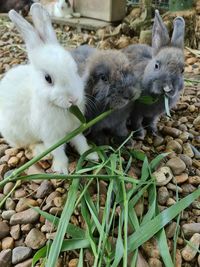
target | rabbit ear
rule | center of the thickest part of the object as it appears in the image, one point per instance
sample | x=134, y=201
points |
x=29, y=34
x=160, y=36
x=178, y=33
x=42, y=23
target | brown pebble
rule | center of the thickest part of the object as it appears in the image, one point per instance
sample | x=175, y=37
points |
x=171, y=131
x=3, y=169
x=194, y=180
x=154, y=262
x=176, y=165
x=7, y=243
x=178, y=258
x=179, y=179
x=189, y=252
x=73, y=263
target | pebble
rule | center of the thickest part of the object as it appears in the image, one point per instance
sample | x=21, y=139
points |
x=24, y=217
x=176, y=165
x=170, y=202
x=154, y=262
x=44, y=189
x=25, y=203
x=4, y=230
x=196, y=204
x=184, y=136
x=141, y=262
x=194, y=180
x=188, y=188
x=11, y=151
x=13, y=162
x=163, y=176
x=27, y=263
x=20, y=254
x=15, y=231
x=158, y=141
x=10, y=204
x=170, y=230
x=188, y=253
x=180, y=179
x=8, y=187
x=7, y=243
x=196, y=121
x=163, y=195
x=73, y=263
x=178, y=258
x=191, y=228
x=3, y=170
x=171, y=131
x=7, y=214
x=187, y=150
x=3, y=148
x=173, y=145
x=151, y=249
x=187, y=160
x=35, y=239
x=6, y=258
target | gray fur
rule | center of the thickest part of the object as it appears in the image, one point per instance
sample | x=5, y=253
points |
x=109, y=84
x=156, y=68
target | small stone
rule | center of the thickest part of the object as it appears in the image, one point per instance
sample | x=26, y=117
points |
x=7, y=243
x=170, y=202
x=26, y=228
x=192, y=108
x=154, y=262
x=196, y=204
x=163, y=195
x=158, y=141
x=11, y=151
x=194, y=180
x=171, y=131
x=187, y=150
x=35, y=169
x=27, y=263
x=4, y=230
x=7, y=214
x=139, y=208
x=53, y=195
x=3, y=148
x=176, y=165
x=174, y=146
x=35, y=239
x=189, y=252
x=180, y=179
x=163, y=176
x=151, y=249
x=199, y=260
x=6, y=258
x=20, y=193
x=58, y=201
x=3, y=169
x=178, y=258
x=8, y=187
x=25, y=203
x=20, y=254
x=13, y=162
x=196, y=121
x=184, y=136
x=170, y=230
x=191, y=228
x=186, y=159
x=55, y=211
x=174, y=188
x=15, y=231
x=141, y=262
x=44, y=189
x=10, y=204
x=24, y=217
x=73, y=263
x=188, y=188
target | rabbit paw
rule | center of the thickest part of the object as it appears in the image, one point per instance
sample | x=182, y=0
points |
x=60, y=167
x=37, y=149
x=93, y=156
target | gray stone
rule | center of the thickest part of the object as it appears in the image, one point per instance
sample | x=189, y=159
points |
x=163, y=176
x=20, y=254
x=44, y=189
x=176, y=165
x=4, y=230
x=24, y=217
x=7, y=214
x=35, y=239
x=6, y=258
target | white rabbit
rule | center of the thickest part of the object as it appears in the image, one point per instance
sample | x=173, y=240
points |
x=59, y=8
x=34, y=98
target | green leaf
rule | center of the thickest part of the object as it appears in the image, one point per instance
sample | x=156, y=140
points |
x=167, y=110
x=80, y=262
x=77, y=113
x=155, y=162
x=147, y=100
x=148, y=230
x=63, y=224
x=164, y=249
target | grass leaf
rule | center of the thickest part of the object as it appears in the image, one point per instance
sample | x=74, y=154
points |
x=167, y=110
x=77, y=113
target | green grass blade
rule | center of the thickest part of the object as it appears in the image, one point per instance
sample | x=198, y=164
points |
x=167, y=110
x=63, y=224
x=41, y=253
x=148, y=230
x=77, y=113
x=155, y=162
x=72, y=230
x=80, y=262
x=163, y=248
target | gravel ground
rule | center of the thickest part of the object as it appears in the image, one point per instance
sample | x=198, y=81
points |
x=23, y=231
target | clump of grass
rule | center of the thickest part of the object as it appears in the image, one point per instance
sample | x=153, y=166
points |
x=99, y=235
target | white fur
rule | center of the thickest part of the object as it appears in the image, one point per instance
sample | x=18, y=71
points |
x=34, y=113
x=59, y=8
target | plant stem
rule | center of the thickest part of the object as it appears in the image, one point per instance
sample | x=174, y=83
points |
x=64, y=140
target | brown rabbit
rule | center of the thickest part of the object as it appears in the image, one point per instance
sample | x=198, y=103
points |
x=159, y=71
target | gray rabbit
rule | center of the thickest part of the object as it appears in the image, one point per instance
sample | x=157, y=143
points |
x=159, y=71
x=109, y=84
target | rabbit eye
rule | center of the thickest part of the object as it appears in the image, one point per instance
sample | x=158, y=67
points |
x=103, y=78
x=157, y=66
x=48, y=79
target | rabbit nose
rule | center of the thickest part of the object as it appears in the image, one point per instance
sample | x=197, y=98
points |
x=167, y=89
x=73, y=100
